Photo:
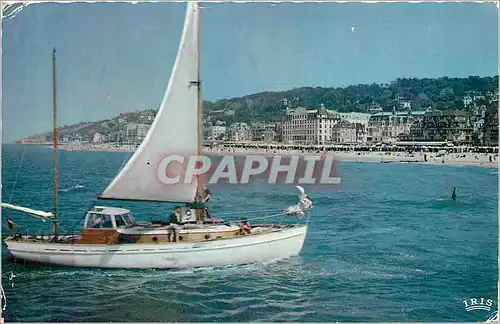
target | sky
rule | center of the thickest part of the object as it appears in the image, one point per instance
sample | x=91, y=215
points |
x=117, y=57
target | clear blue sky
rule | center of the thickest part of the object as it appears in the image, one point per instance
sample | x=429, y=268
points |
x=117, y=57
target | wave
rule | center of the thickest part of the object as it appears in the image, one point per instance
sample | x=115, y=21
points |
x=77, y=187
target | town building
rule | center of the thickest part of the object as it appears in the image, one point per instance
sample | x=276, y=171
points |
x=467, y=100
x=309, y=126
x=345, y=132
x=239, y=132
x=391, y=126
x=216, y=133
x=447, y=125
x=356, y=118
x=147, y=116
x=98, y=138
x=491, y=126
x=375, y=108
x=135, y=133
x=477, y=116
x=257, y=129
x=361, y=120
x=264, y=132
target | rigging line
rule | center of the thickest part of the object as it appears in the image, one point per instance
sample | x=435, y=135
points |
x=308, y=217
x=264, y=217
x=246, y=212
x=125, y=160
x=84, y=215
x=18, y=171
x=4, y=299
x=85, y=164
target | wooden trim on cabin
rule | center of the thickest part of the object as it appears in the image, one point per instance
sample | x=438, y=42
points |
x=98, y=236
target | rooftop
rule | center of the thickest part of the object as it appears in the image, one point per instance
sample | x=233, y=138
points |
x=400, y=113
x=110, y=210
x=448, y=113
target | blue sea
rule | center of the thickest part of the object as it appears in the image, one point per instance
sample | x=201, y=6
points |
x=387, y=244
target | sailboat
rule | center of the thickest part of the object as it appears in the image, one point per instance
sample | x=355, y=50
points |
x=112, y=238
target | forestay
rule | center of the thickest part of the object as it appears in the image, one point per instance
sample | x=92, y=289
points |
x=174, y=130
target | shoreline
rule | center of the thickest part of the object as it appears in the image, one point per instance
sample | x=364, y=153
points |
x=470, y=159
x=450, y=159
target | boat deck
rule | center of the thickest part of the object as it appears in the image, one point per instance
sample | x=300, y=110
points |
x=147, y=234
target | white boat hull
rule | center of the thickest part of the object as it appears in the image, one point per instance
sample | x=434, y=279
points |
x=257, y=248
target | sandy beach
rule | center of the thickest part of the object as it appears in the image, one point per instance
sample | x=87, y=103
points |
x=462, y=159
x=457, y=159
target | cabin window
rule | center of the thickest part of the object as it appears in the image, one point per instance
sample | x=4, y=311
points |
x=119, y=220
x=128, y=218
x=101, y=221
x=106, y=221
x=95, y=221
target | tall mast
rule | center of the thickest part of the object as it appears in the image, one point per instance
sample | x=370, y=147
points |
x=55, y=223
x=200, y=188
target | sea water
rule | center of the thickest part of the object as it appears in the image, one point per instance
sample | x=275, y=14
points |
x=387, y=244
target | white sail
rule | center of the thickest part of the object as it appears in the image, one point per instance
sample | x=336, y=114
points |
x=173, y=132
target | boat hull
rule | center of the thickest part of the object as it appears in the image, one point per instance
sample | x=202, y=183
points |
x=258, y=248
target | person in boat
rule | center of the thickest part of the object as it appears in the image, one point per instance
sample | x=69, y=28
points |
x=208, y=197
x=206, y=214
x=174, y=224
x=96, y=223
x=175, y=216
x=246, y=228
x=102, y=222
